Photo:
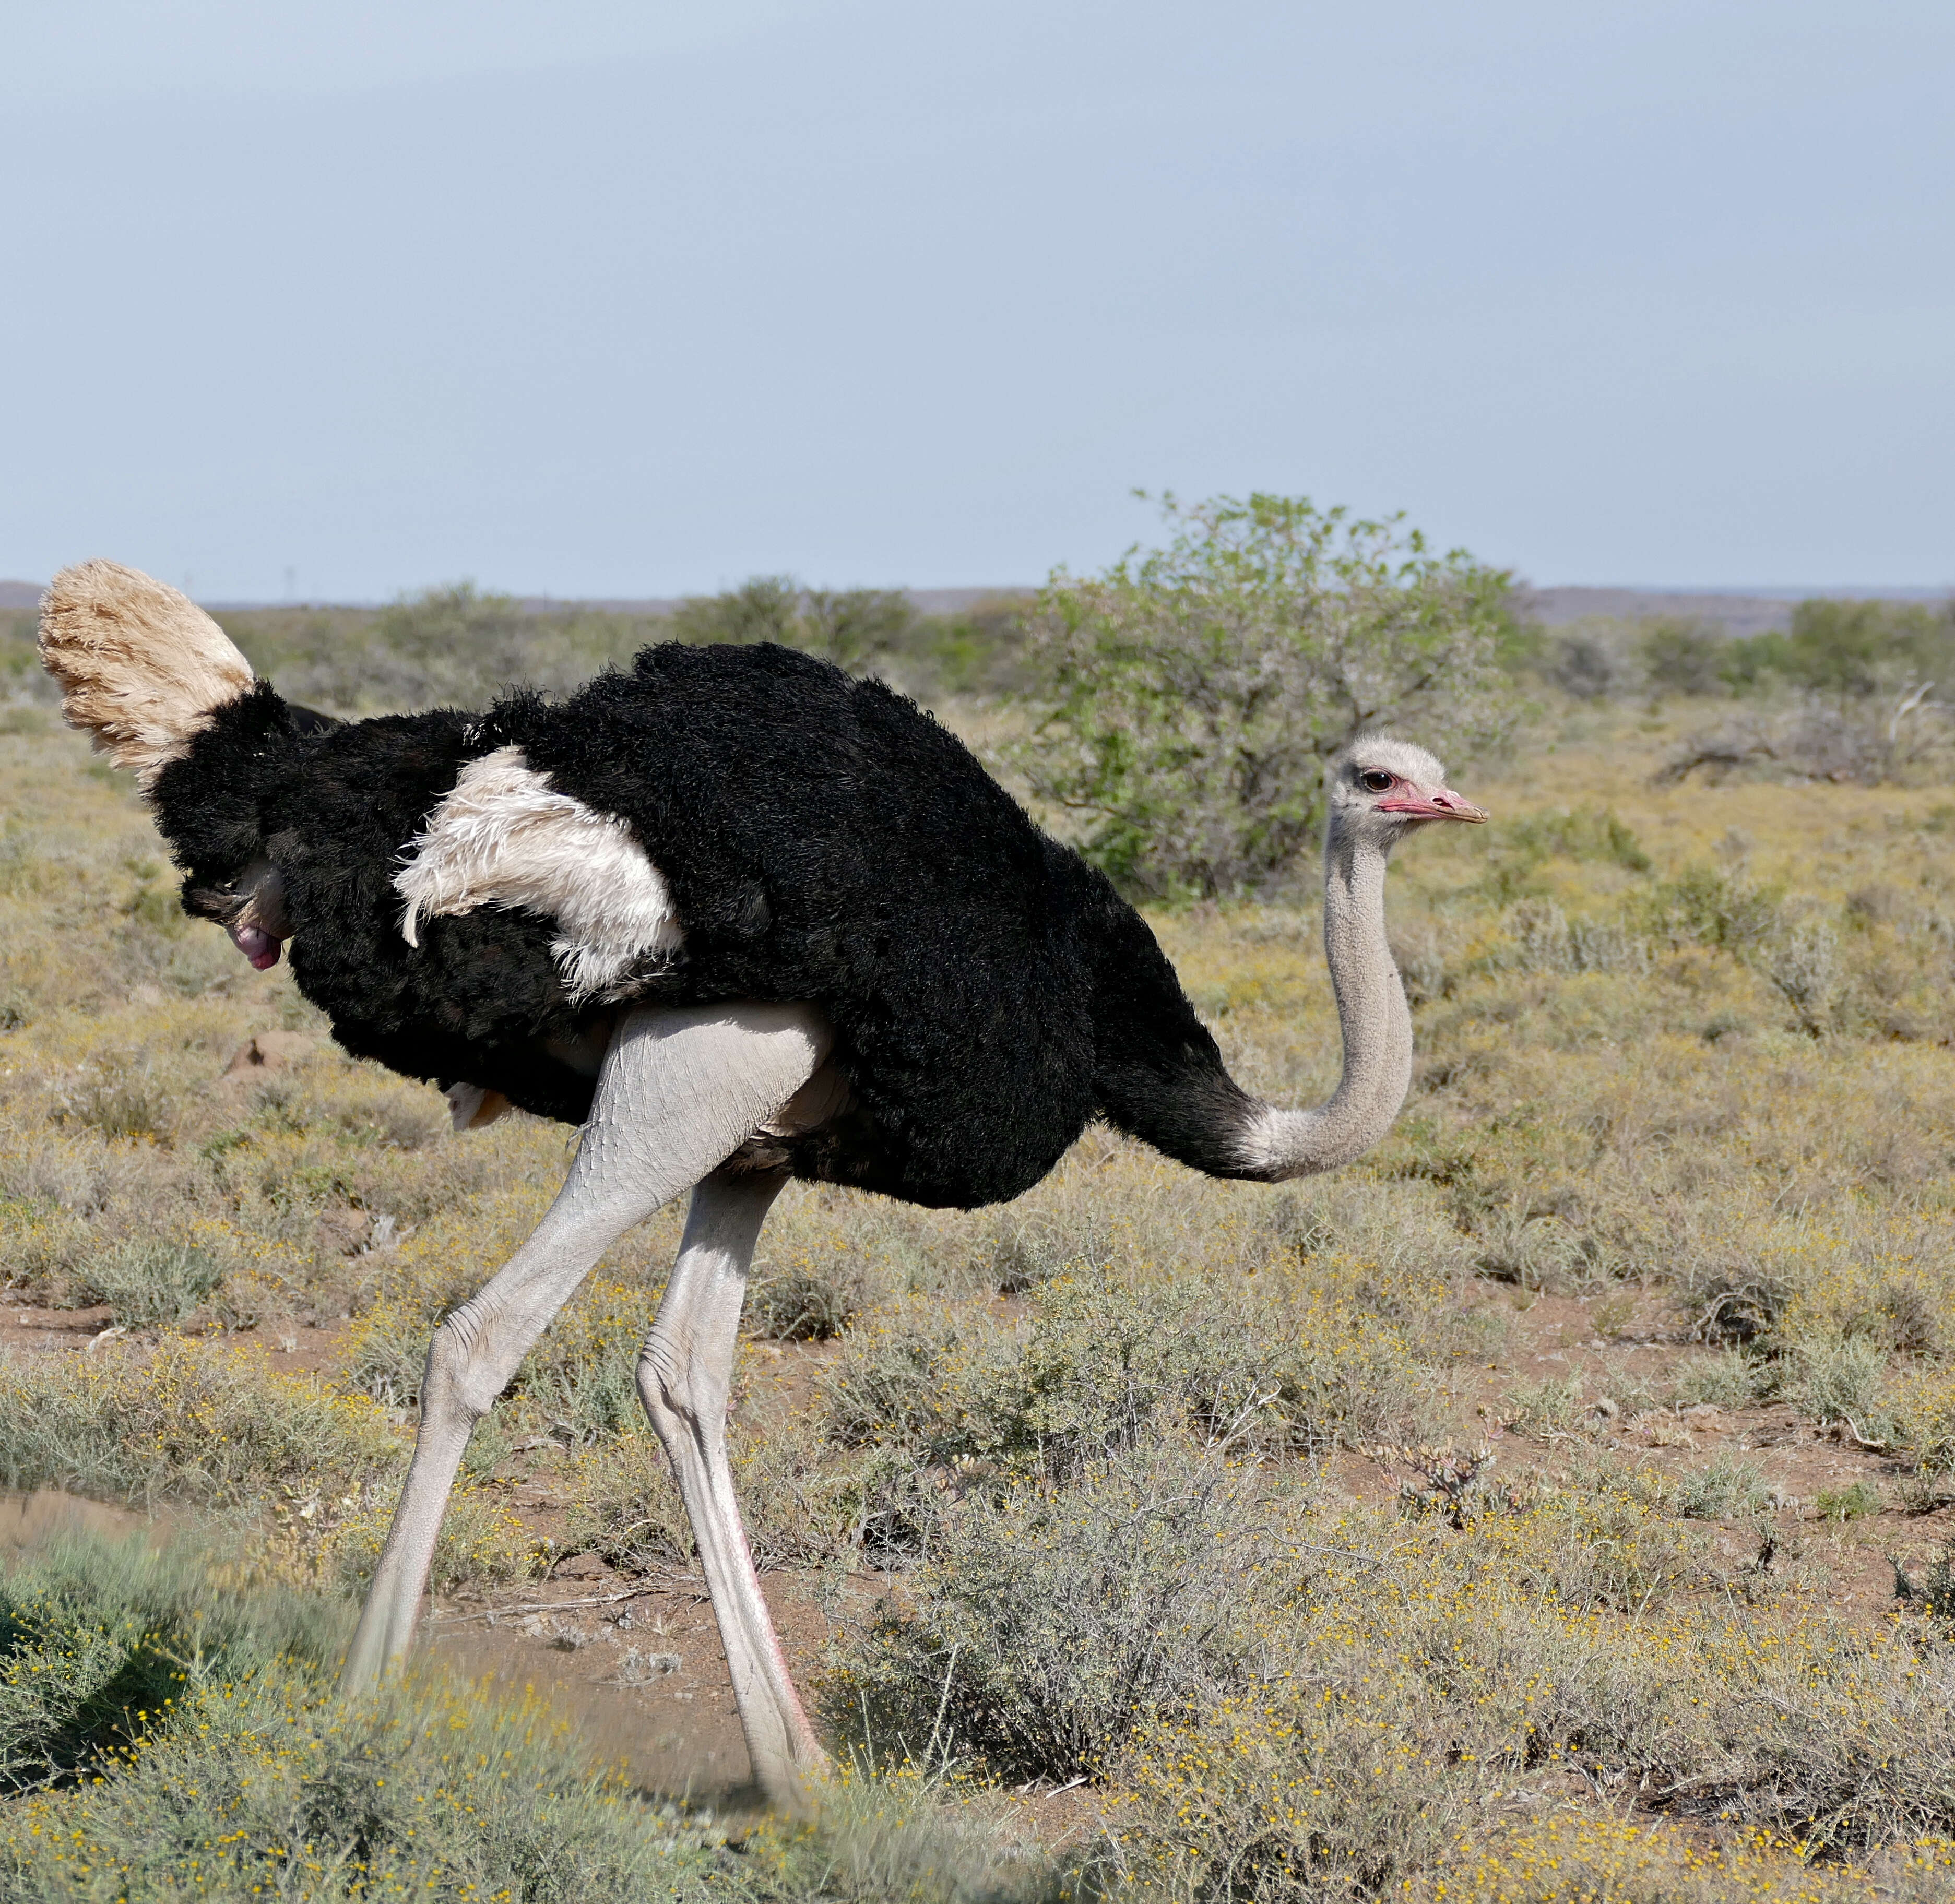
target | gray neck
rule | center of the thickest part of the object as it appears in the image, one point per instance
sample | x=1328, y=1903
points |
x=1376, y=1023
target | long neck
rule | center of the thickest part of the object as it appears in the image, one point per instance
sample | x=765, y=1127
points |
x=1376, y=1023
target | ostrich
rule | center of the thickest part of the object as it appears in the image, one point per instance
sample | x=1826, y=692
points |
x=742, y=918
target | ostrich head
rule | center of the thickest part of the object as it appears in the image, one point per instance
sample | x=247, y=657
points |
x=1381, y=789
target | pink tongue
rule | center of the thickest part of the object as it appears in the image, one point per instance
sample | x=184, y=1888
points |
x=259, y=947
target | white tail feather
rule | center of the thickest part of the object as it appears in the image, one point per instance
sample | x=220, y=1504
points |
x=142, y=667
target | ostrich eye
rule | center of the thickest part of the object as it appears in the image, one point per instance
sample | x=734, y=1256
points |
x=1377, y=781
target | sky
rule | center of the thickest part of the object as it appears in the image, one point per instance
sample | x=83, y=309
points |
x=611, y=300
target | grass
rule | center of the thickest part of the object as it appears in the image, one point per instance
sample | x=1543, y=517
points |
x=182, y=1739
x=167, y=1730
x=1105, y=1483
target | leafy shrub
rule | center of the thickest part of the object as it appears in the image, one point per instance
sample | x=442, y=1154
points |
x=849, y=627
x=1192, y=694
x=453, y=645
x=1849, y=649
x=1682, y=657
x=1844, y=1504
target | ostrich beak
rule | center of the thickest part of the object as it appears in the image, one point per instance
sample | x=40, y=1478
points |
x=257, y=945
x=1432, y=803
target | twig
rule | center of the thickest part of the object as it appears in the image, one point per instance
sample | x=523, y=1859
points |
x=936, y=1724
x=666, y=1584
x=1853, y=1429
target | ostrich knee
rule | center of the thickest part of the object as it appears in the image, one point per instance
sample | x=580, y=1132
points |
x=459, y=1387
x=685, y=1405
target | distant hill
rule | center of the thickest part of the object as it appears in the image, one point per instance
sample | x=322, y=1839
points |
x=1737, y=611
x=926, y=601
x=1734, y=611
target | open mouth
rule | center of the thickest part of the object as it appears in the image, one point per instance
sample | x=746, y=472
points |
x=257, y=946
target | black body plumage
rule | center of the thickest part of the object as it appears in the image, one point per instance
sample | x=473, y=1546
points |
x=824, y=841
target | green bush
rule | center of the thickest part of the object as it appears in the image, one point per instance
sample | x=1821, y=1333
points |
x=1193, y=694
x=1682, y=657
x=1849, y=649
x=849, y=627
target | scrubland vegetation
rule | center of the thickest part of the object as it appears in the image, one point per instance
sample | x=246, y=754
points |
x=1555, y=1506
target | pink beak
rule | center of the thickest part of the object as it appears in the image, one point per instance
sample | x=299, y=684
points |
x=1432, y=803
x=259, y=947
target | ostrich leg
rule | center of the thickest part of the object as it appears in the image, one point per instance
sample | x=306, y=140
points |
x=685, y=1374
x=681, y=1090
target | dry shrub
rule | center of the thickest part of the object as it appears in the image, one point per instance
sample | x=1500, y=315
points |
x=1050, y=1621
x=579, y=1382
x=910, y=1373
x=1298, y=1357
x=1603, y=1540
x=624, y=1506
x=184, y=1421
x=1922, y=1405
x=903, y=1832
x=1579, y=1858
x=798, y=1304
x=802, y=1506
x=1415, y=1681
x=1721, y=1490
x=219, y=1760
x=1844, y=1381
x=1551, y=1406
x=149, y=1284
x=577, y=1385
x=133, y=1103
x=481, y=1543
x=1726, y=1379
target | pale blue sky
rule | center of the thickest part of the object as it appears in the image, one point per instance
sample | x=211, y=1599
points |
x=592, y=298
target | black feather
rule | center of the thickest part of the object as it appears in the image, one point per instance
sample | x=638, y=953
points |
x=825, y=841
